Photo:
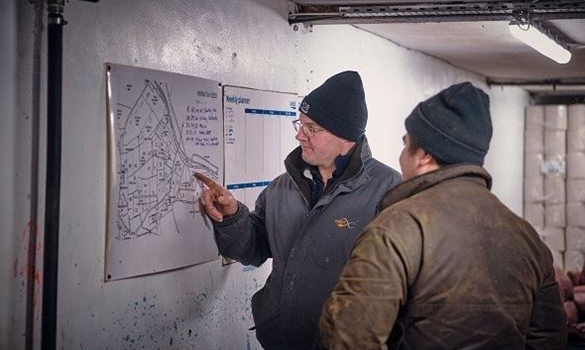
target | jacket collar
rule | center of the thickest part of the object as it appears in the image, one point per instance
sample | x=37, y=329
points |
x=293, y=165
x=425, y=181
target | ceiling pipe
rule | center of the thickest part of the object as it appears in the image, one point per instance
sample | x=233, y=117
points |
x=564, y=91
x=580, y=81
x=548, y=99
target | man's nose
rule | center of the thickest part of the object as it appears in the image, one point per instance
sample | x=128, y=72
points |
x=300, y=136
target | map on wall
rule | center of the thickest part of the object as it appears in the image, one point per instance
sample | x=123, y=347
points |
x=259, y=134
x=162, y=128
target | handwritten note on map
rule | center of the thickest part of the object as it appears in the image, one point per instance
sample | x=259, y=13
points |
x=162, y=128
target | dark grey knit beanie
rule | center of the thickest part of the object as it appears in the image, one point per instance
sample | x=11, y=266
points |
x=454, y=126
x=339, y=105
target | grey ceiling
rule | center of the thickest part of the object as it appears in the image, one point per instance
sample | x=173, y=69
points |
x=481, y=45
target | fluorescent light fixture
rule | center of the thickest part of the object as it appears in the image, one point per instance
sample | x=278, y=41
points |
x=531, y=36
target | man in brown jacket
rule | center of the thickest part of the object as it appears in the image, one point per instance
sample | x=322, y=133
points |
x=446, y=265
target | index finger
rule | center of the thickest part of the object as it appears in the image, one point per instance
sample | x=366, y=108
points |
x=217, y=189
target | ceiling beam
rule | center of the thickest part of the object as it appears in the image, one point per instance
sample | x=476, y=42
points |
x=573, y=82
x=547, y=99
x=425, y=12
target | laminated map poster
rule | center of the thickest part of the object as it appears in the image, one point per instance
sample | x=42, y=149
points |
x=259, y=134
x=162, y=128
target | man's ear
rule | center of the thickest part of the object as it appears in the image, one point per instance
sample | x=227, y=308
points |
x=426, y=158
x=427, y=161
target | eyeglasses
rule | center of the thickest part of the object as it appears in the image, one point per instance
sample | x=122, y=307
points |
x=308, y=129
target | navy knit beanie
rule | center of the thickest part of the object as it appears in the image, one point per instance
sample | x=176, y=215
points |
x=454, y=126
x=339, y=105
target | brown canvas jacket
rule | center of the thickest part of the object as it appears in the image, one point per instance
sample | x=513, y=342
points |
x=446, y=265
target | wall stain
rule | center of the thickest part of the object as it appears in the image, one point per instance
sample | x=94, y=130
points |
x=214, y=314
x=22, y=272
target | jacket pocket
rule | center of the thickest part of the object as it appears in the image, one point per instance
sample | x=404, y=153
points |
x=265, y=310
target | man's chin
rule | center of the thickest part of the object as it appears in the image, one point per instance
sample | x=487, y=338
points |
x=307, y=159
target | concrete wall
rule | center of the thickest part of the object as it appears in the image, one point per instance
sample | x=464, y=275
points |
x=247, y=43
x=505, y=160
x=7, y=155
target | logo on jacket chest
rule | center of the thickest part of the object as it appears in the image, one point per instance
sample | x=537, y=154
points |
x=345, y=223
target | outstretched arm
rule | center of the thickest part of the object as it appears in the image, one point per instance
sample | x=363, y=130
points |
x=239, y=234
x=217, y=201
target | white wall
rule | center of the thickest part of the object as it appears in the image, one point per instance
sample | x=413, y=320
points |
x=7, y=155
x=505, y=160
x=247, y=43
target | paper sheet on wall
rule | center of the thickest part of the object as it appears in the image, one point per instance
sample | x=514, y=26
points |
x=162, y=127
x=258, y=136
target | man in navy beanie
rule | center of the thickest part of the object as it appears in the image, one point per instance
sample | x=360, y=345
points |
x=308, y=218
x=446, y=265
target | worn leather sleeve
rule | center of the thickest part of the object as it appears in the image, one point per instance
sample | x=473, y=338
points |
x=548, y=321
x=243, y=236
x=363, y=307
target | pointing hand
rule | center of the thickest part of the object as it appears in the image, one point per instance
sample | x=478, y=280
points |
x=217, y=201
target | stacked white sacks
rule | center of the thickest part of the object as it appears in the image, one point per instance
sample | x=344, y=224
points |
x=575, y=232
x=535, y=168
x=554, y=170
x=533, y=157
